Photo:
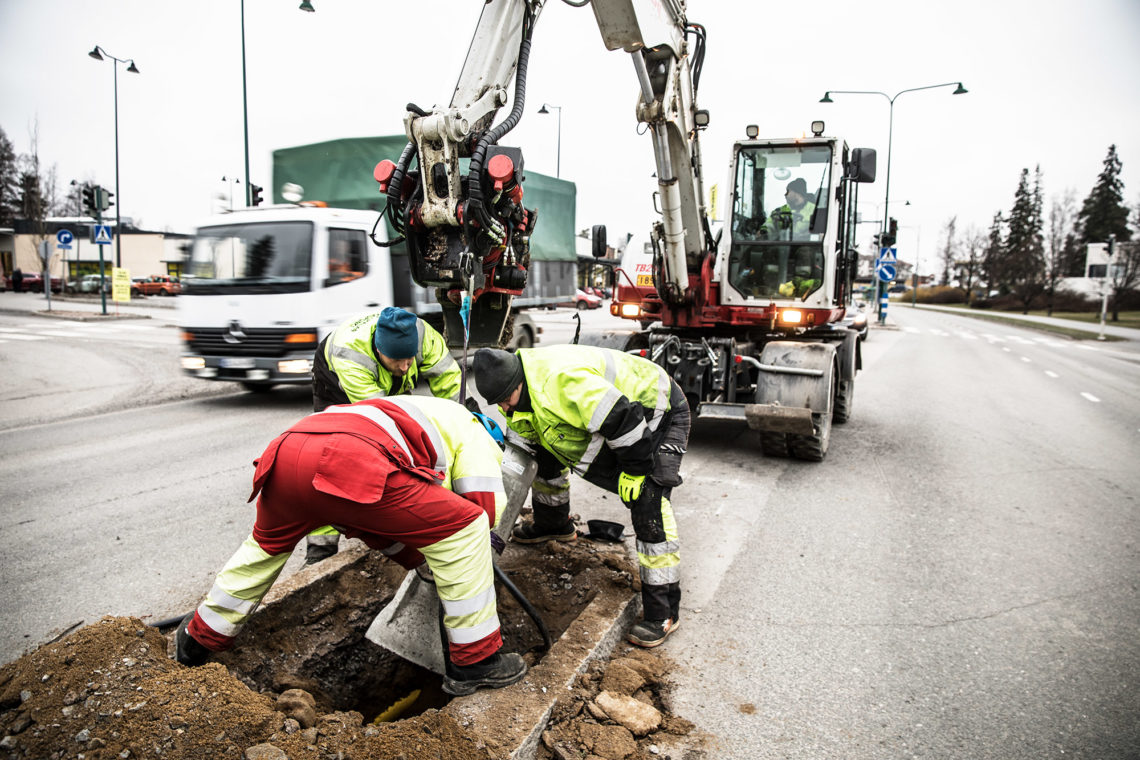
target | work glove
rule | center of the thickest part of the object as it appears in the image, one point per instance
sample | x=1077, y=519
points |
x=629, y=487
x=497, y=543
x=187, y=650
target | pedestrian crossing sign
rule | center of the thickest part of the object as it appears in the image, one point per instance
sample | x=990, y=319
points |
x=102, y=234
x=888, y=256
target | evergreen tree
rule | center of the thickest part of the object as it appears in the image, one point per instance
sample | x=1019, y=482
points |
x=1103, y=212
x=993, y=259
x=1024, y=264
x=9, y=182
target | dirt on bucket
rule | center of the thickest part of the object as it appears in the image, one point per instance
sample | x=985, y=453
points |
x=303, y=682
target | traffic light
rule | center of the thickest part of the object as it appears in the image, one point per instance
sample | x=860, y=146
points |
x=888, y=238
x=255, y=195
x=89, y=200
x=105, y=197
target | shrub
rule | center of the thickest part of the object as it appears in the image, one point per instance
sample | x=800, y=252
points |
x=941, y=294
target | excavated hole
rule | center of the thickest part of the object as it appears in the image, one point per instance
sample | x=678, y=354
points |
x=314, y=638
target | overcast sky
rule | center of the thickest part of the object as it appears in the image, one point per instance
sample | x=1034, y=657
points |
x=1051, y=82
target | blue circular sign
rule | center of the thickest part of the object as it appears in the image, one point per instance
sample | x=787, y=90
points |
x=886, y=272
x=64, y=237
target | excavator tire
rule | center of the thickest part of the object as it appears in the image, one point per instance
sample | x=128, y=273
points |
x=843, y=400
x=813, y=448
x=774, y=444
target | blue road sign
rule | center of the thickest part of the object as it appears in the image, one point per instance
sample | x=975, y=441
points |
x=888, y=256
x=886, y=272
x=63, y=238
x=102, y=234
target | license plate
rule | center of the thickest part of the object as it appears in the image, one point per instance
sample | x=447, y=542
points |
x=237, y=362
x=645, y=281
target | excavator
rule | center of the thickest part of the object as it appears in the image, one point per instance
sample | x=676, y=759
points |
x=747, y=322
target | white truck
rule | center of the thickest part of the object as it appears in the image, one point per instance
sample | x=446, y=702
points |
x=263, y=286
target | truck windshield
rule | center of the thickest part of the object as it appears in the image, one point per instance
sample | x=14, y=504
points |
x=271, y=257
x=779, y=217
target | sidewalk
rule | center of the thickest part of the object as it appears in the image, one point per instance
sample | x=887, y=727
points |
x=88, y=308
x=1127, y=333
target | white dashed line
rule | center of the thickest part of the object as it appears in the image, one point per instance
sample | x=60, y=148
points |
x=1090, y=397
x=1052, y=374
x=21, y=336
x=1026, y=359
x=1007, y=349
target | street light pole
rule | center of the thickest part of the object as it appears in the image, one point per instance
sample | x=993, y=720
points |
x=890, y=137
x=308, y=8
x=558, y=165
x=97, y=53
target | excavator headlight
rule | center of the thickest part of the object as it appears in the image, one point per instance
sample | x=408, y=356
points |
x=631, y=310
x=791, y=317
x=753, y=131
x=817, y=128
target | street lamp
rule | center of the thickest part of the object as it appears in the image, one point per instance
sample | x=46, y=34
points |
x=97, y=53
x=558, y=165
x=305, y=6
x=960, y=90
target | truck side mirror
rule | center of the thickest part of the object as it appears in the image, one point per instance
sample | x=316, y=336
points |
x=862, y=165
x=598, y=237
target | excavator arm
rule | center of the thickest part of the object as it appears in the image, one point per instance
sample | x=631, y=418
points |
x=468, y=231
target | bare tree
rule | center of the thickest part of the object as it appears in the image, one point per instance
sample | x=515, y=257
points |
x=969, y=268
x=1062, y=217
x=949, y=250
x=1124, y=268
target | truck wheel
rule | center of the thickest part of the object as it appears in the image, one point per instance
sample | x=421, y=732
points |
x=843, y=401
x=525, y=339
x=257, y=387
x=813, y=448
x=774, y=444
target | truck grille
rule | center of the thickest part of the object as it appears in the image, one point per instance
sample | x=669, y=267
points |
x=245, y=341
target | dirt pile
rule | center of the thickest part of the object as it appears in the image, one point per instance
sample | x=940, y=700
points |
x=621, y=710
x=303, y=682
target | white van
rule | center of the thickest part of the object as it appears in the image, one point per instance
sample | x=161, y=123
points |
x=263, y=286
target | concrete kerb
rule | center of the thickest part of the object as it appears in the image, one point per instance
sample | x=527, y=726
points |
x=592, y=636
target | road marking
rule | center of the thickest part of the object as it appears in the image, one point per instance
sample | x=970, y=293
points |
x=20, y=336
x=1007, y=349
x=1090, y=397
x=62, y=334
x=993, y=338
x=967, y=336
x=939, y=333
x=1026, y=359
x=1021, y=340
x=1052, y=374
x=911, y=330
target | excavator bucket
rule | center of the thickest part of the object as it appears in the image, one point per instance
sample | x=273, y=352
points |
x=408, y=626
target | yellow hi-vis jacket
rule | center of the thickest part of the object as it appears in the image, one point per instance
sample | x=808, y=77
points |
x=583, y=398
x=350, y=354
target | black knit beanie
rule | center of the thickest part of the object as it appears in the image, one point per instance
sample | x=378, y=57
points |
x=497, y=373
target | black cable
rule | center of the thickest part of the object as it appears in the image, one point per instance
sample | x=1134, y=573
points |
x=168, y=622
x=547, y=642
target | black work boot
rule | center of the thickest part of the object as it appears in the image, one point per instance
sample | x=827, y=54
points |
x=314, y=553
x=651, y=633
x=187, y=650
x=532, y=533
x=494, y=672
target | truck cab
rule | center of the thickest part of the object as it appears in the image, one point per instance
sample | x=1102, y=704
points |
x=263, y=286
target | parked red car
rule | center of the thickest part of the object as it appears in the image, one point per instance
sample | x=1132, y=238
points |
x=33, y=282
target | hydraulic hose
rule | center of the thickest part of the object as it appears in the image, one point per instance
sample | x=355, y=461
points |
x=547, y=642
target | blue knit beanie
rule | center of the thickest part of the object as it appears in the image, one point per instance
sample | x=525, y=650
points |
x=396, y=335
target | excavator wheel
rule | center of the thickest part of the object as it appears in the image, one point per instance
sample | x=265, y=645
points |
x=774, y=444
x=843, y=400
x=813, y=448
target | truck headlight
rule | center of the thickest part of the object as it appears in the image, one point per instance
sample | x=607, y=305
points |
x=193, y=362
x=295, y=366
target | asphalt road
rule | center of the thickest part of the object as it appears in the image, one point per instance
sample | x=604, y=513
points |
x=957, y=579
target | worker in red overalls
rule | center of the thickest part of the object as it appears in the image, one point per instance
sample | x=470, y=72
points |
x=417, y=477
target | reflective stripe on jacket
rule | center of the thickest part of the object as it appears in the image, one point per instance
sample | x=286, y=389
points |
x=584, y=397
x=350, y=354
